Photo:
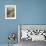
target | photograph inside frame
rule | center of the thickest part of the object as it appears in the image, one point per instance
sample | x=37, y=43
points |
x=10, y=12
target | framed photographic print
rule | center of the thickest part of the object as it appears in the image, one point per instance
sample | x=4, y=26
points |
x=33, y=32
x=10, y=11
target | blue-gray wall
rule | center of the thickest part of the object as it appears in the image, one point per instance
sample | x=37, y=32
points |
x=27, y=12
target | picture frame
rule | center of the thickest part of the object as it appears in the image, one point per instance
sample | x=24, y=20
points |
x=36, y=32
x=10, y=11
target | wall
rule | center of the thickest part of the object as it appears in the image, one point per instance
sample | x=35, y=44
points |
x=27, y=12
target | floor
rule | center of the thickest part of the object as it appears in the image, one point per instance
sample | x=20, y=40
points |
x=28, y=43
x=32, y=43
x=7, y=45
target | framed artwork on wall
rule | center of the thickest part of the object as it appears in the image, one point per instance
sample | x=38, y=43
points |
x=10, y=11
x=33, y=32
